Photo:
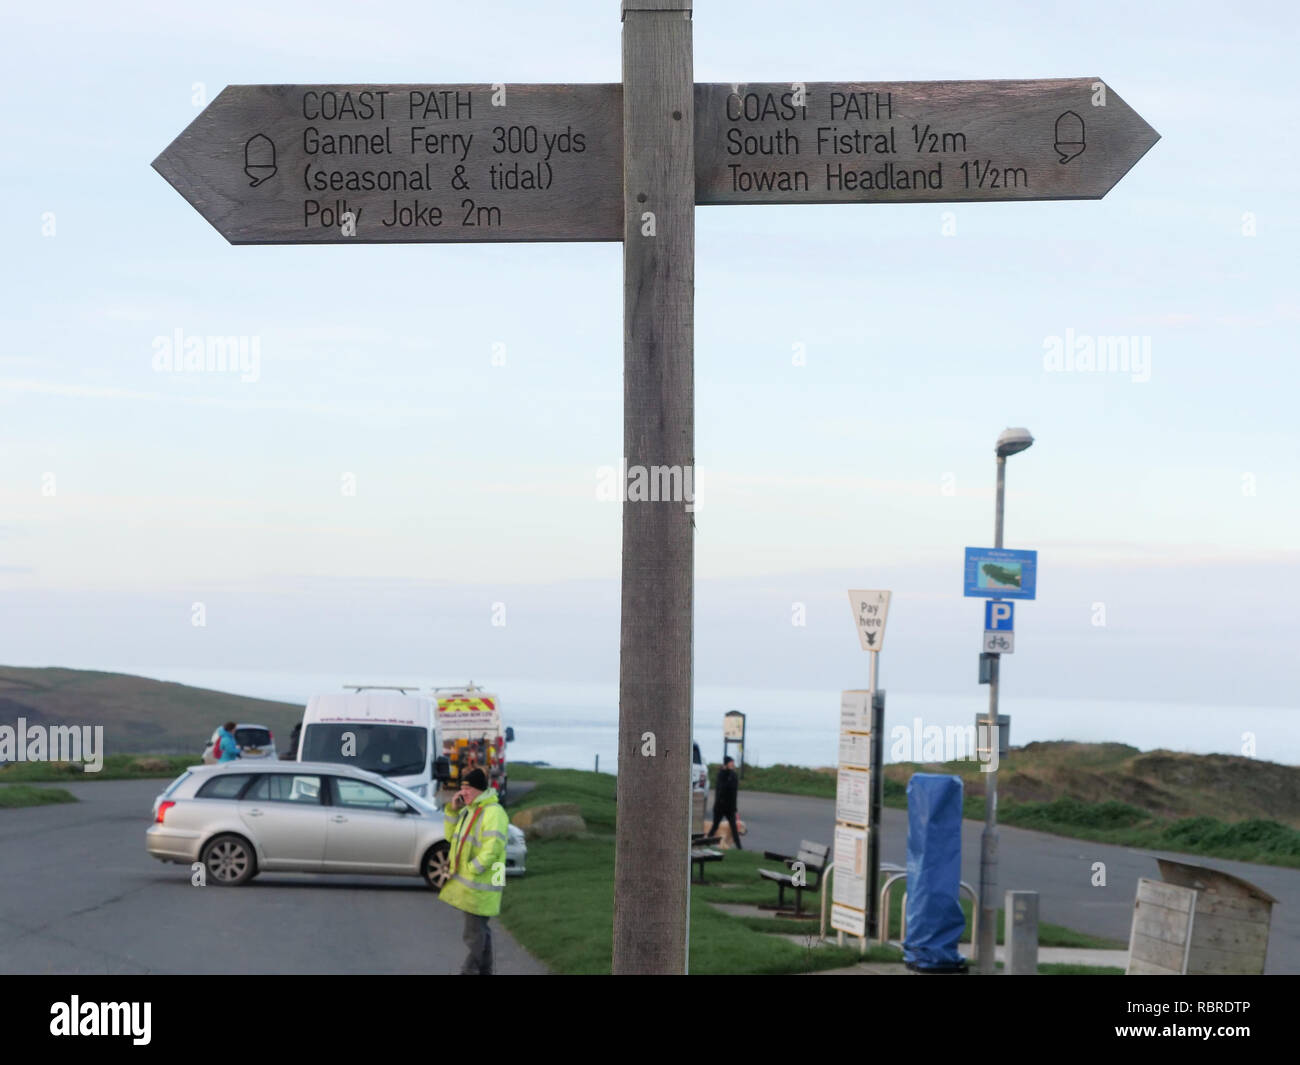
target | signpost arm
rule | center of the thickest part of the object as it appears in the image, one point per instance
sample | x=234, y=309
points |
x=652, y=865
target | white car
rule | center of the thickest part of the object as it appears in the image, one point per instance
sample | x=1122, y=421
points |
x=255, y=741
x=516, y=851
x=699, y=772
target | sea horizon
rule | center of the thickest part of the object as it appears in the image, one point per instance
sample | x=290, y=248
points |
x=568, y=724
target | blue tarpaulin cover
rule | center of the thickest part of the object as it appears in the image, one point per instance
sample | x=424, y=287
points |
x=934, y=918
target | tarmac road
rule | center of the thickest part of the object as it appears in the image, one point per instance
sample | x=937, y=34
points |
x=78, y=894
x=1058, y=868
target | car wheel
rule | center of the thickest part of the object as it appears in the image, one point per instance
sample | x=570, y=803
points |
x=437, y=865
x=229, y=861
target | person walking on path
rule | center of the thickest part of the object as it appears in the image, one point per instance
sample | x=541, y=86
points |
x=476, y=824
x=725, y=789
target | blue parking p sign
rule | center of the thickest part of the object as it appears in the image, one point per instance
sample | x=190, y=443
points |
x=999, y=616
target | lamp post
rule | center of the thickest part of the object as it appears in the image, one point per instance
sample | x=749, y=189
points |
x=1010, y=441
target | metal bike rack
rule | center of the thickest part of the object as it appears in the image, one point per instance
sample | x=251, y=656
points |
x=882, y=932
x=882, y=924
x=825, y=890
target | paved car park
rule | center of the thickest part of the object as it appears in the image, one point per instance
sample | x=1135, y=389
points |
x=79, y=894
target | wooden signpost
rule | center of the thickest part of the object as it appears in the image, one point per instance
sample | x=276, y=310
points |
x=369, y=164
x=337, y=164
x=913, y=141
x=305, y=164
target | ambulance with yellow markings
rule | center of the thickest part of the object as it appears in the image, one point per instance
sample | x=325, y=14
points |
x=469, y=725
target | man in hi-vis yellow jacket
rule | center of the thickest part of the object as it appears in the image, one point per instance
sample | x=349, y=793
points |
x=476, y=825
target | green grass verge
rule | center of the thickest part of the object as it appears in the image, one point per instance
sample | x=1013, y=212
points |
x=562, y=911
x=593, y=793
x=116, y=767
x=14, y=795
x=785, y=779
x=1255, y=840
x=743, y=885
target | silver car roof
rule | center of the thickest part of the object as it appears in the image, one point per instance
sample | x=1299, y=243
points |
x=285, y=766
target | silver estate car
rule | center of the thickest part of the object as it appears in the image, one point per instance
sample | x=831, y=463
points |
x=244, y=818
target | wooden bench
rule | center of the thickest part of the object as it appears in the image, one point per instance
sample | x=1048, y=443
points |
x=702, y=852
x=812, y=857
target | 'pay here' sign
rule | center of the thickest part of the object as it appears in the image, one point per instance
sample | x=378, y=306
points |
x=869, y=612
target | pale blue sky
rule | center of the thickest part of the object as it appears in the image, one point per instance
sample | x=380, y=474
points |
x=869, y=466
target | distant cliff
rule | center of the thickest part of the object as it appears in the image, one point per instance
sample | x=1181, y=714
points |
x=137, y=714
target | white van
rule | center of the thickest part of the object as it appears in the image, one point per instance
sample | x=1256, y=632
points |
x=385, y=731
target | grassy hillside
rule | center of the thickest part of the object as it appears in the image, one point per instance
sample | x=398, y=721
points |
x=1214, y=805
x=137, y=714
x=1161, y=784
x=1164, y=785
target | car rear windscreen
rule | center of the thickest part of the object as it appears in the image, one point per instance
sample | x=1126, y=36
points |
x=252, y=737
x=176, y=783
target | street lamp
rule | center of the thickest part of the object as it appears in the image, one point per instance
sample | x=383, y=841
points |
x=1010, y=442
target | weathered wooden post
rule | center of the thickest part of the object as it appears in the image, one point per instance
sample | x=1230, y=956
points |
x=651, y=867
